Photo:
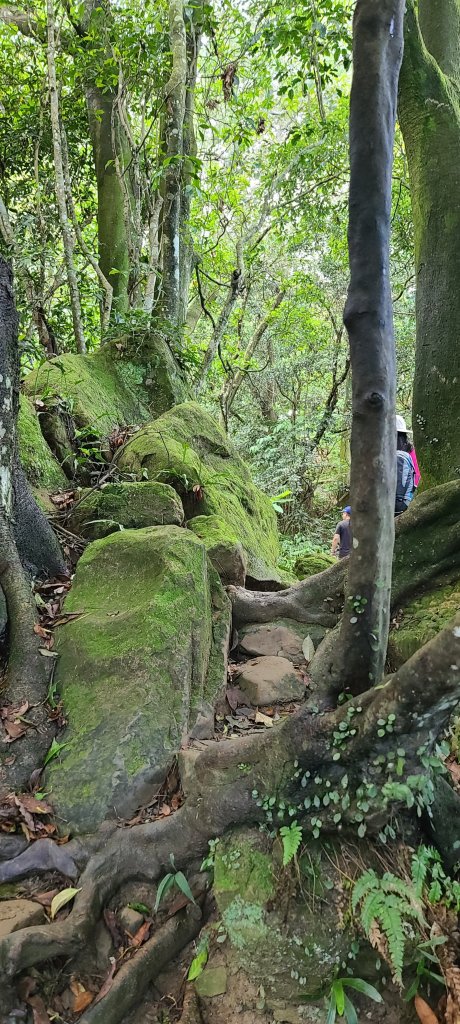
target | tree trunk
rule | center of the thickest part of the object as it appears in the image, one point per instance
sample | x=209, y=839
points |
x=232, y=386
x=429, y=114
x=27, y=672
x=175, y=100
x=359, y=655
x=235, y=289
x=111, y=213
x=67, y=237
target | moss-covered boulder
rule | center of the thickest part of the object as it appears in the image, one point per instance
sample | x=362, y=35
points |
x=427, y=542
x=187, y=449
x=224, y=549
x=125, y=506
x=98, y=393
x=309, y=565
x=148, y=648
x=41, y=468
x=290, y=945
x=421, y=620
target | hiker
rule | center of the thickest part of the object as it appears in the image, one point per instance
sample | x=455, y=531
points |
x=405, y=480
x=402, y=429
x=341, y=541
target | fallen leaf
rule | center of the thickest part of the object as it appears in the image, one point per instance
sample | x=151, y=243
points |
x=235, y=697
x=165, y=810
x=46, y=653
x=261, y=719
x=424, y=1012
x=14, y=731
x=61, y=900
x=45, y=898
x=111, y=923
x=41, y=631
x=32, y=805
x=82, y=1001
x=108, y=981
x=308, y=648
x=142, y=934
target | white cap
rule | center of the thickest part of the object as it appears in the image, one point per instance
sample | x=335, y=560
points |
x=401, y=425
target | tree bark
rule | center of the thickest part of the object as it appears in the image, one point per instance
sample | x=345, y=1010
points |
x=175, y=101
x=111, y=215
x=359, y=656
x=66, y=232
x=429, y=114
x=27, y=672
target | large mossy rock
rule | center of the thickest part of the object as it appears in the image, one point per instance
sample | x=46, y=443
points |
x=125, y=506
x=309, y=565
x=41, y=468
x=293, y=946
x=224, y=549
x=187, y=449
x=99, y=392
x=421, y=620
x=135, y=668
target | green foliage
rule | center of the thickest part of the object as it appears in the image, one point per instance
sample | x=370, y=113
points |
x=200, y=959
x=292, y=838
x=339, y=1003
x=390, y=904
x=173, y=878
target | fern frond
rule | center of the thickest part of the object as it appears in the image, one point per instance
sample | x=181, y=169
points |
x=367, y=881
x=292, y=838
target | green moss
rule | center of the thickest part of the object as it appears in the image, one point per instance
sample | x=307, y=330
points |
x=291, y=946
x=212, y=530
x=309, y=565
x=125, y=505
x=41, y=468
x=186, y=448
x=93, y=388
x=427, y=541
x=134, y=667
x=422, y=620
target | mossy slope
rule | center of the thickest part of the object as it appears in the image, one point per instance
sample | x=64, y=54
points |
x=135, y=667
x=187, y=449
x=292, y=946
x=41, y=468
x=422, y=619
x=309, y=565
x=125, y=505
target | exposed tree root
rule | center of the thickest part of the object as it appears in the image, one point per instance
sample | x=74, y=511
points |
x=40, y=857
x=132, y=980
x=427, y=549
x=421, y=696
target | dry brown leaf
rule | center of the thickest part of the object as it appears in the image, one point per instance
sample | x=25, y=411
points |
x=142, y=934
x=108, y=981
x=82, y=1001
x=261, y=719
x=41, y=631
x=14, y=731
x=45, y=898
x=29, y=803
x=424, y=1012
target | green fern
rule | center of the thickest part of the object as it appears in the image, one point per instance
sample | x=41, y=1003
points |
x=390, y=903
x=292, y=838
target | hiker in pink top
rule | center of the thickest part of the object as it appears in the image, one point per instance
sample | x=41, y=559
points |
x=402, y=429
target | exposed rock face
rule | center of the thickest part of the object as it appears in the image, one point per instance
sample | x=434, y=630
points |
x=127, y=506
x=135, y=669
x=187, y=449
x=16, y=914
x=224, y=549
x=268, y=681
x=41, y=468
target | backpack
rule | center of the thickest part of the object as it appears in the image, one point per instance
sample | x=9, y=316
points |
x=405, y=478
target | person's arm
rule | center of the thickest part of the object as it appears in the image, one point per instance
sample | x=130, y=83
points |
x=335, y=544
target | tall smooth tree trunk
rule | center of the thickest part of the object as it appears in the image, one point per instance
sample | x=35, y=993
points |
x=175, y=101
x=429, y=114
x=112, y=224
x=66, y=231
x=359, y=655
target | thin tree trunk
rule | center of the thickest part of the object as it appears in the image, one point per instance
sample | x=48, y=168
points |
x=154, y=251
x=67, y=237
x=235, y=289
x=231, y=388
x=430, y=121
x=175, y=100
x=188, y=170
x=105, y=284
x=359, y=656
